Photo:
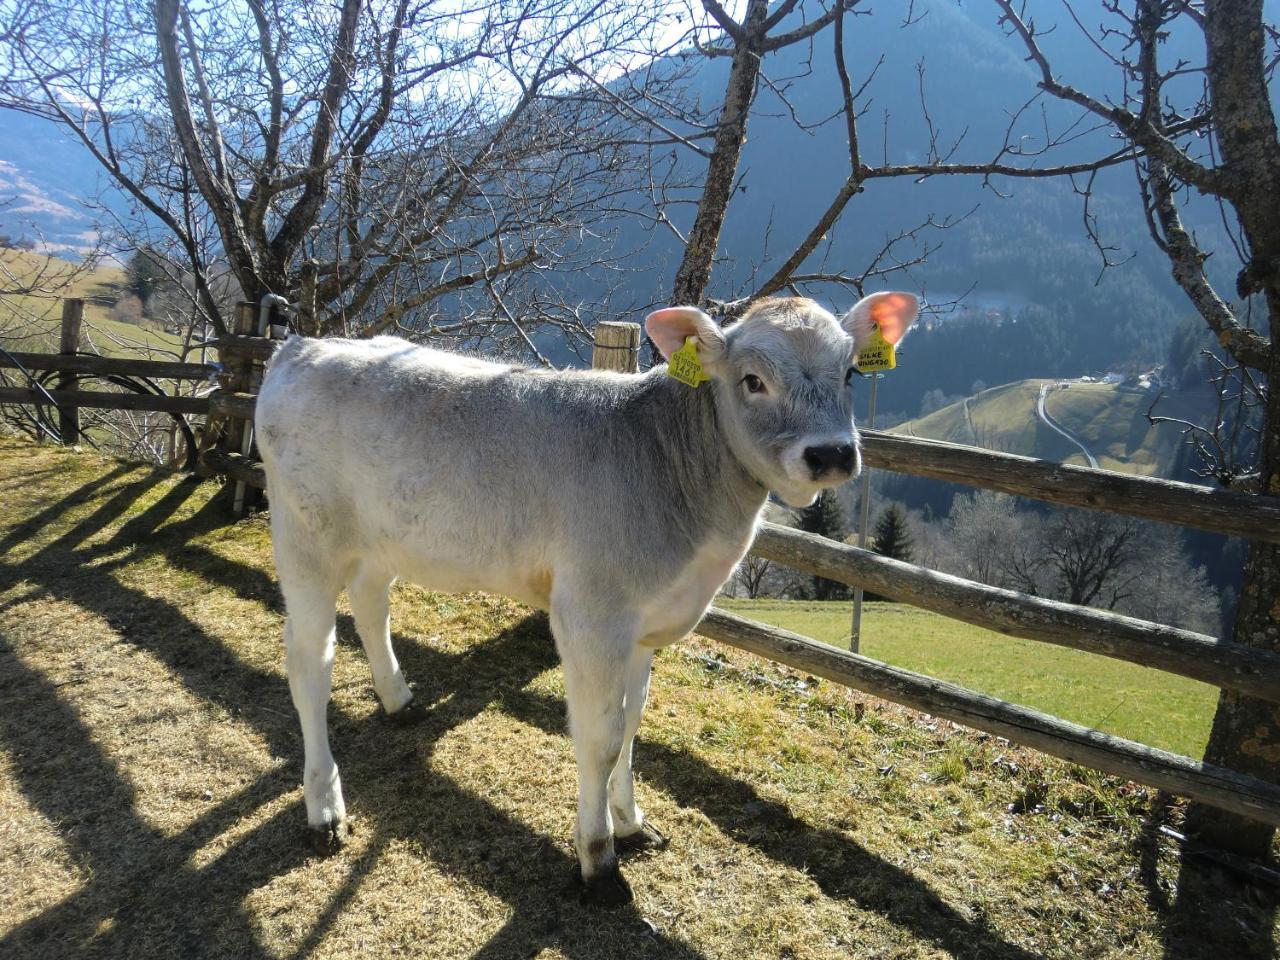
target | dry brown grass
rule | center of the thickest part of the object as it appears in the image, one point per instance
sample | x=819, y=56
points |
x=150, y=807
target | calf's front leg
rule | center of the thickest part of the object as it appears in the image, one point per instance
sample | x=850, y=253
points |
x=594, y=658
x=631, y=831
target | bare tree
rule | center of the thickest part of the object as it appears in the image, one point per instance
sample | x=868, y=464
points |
x=1093, y=557
x=695, y=153
x=1205, y=125
x=753, y=575
x=1225, y=448
x=405, y=152
x=1172, y=590
x=981, y=526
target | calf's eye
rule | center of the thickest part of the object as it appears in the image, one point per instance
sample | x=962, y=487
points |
x=753, y=383
x=849, y=374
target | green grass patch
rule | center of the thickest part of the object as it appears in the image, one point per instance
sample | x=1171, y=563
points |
x=1111, y=419
x=150, y=760
x=1142, y=704
x=38, y=314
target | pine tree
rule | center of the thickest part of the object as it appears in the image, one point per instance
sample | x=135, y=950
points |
x=145, y=273
x=826, y=518
x=891, y=539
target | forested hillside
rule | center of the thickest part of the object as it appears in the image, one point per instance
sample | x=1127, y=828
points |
x=1015, y=254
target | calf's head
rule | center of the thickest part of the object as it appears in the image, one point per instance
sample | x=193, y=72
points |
x=783, y=379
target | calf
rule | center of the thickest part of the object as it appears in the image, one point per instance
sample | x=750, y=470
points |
x=618, y=503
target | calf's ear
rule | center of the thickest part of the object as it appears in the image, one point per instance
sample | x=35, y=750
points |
x=892, y=312
x=671, y=326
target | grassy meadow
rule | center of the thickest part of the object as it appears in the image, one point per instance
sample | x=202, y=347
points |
x=30, y=322
x=1142, y=704
x=150, y=763
x=1111, y=419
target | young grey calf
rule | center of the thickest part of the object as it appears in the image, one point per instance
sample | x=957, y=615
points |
x=618, y=503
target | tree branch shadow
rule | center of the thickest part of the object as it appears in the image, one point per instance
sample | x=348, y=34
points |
x=142, y=893
x=842, y=868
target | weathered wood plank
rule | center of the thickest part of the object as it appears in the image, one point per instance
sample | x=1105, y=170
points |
x=239, y=405
x=1218, y=786
x=235, y=466
x=1206, y=508
x=244, y=364
x=68, y=413
x=1184, y=652
x=110, y=401
x=110, y=366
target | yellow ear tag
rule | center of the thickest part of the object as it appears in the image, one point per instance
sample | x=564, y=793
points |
x=686, y=366
x=877, y=355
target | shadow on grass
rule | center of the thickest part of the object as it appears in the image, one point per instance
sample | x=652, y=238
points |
x=842, y=868
x=141, y=898
x=144, y=897
x=1210, y=913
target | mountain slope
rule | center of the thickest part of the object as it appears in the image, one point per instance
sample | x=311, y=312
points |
x=30, y=321
x=1017, y=248
x=1109, y=419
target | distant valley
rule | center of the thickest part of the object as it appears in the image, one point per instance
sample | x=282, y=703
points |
x=1109, y=419
x=1022, y=257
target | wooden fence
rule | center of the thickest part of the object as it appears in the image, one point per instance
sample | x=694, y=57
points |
x=1215, y=661
x=223, y=447
x=1190, y=654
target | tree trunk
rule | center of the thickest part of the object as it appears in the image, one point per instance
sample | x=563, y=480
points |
x=1246, y=732
x=694, y=273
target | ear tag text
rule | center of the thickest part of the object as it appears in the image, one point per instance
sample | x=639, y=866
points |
x=686, y=366
x=879, y=354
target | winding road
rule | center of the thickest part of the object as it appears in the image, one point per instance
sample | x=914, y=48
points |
x=968, y=421
x=1056, y=427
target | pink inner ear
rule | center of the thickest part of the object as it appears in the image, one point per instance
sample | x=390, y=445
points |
x=893, y=314
x=670, y=327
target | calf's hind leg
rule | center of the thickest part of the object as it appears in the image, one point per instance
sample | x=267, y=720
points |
x=309, y=649
x=369, y=592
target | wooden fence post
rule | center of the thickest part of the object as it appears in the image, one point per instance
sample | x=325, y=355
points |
x=238, y=377
x=616, y=346
x=69, y=416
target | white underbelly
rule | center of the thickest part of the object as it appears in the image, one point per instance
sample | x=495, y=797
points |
x=528, y=581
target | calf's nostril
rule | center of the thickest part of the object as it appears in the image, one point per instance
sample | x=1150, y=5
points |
x=832, y=457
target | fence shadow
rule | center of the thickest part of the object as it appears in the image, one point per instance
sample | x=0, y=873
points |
x=842, y=868
x=1208, y=912
x=144, y=893
x=143, y=896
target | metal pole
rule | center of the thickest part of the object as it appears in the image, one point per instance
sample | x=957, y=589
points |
x=864, y=509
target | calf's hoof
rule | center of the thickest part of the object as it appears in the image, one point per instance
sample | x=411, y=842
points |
x=329, y=838
x=411, y=713
x=647, y=839
x=608, y=888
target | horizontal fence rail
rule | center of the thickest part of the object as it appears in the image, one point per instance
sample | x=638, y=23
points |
x=1169, y=501
x=1184, y=652
x=1237, y=792
x=236, y=466
x=231, y=404
x=108, y=401
x=109, y=366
